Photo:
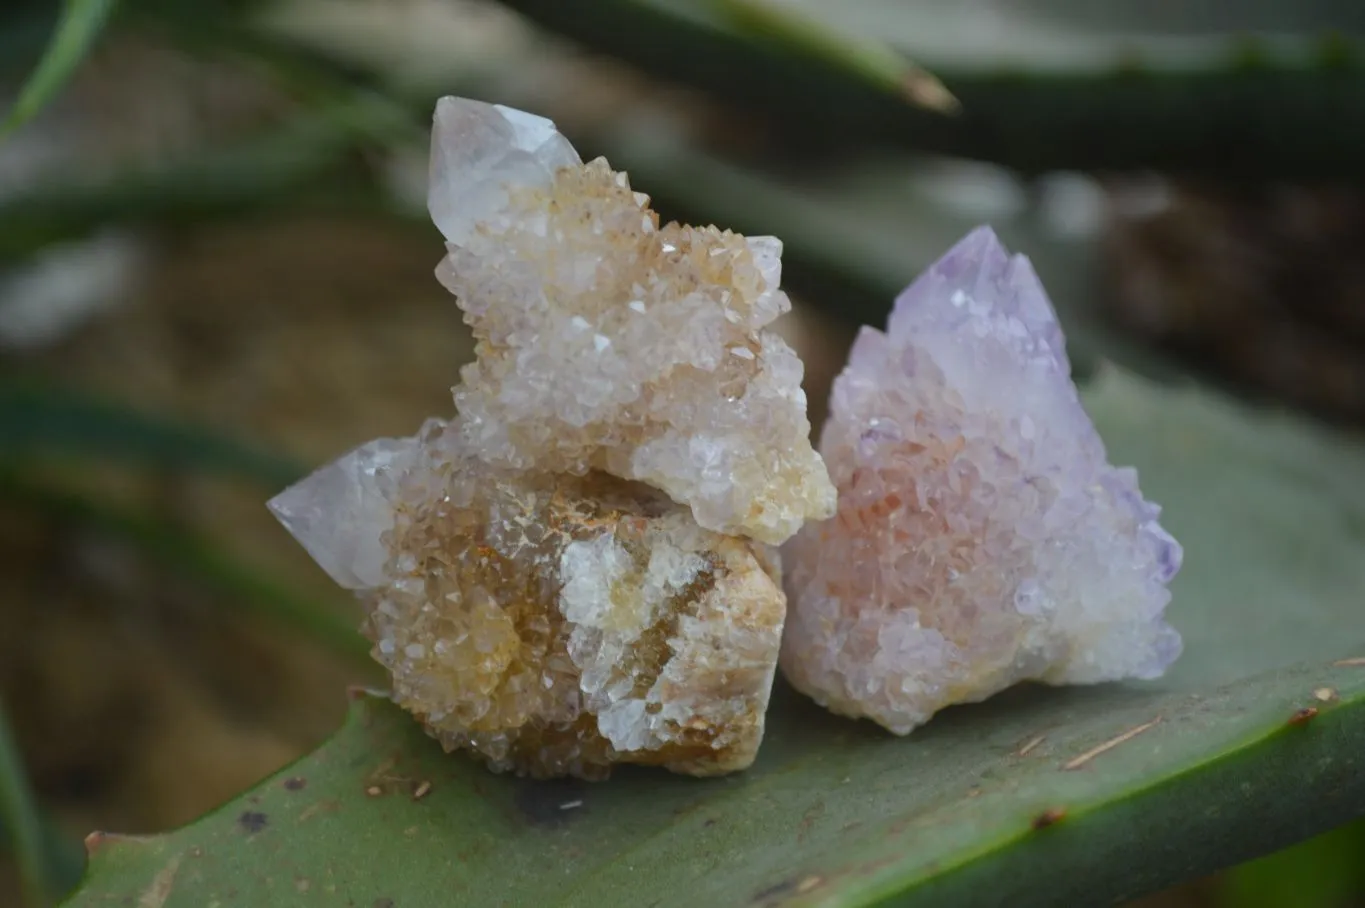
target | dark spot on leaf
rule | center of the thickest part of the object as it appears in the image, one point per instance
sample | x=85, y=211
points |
x=295, y=783
x=553, y=802
x=383, y=903
x=1049, y=817
x=1304, y=716
x=710, y=821
x=775, y=891
x=253, y=821
x=787, y=887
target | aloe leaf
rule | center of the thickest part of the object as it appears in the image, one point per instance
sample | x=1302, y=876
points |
x=1325, y=872
x=1035, y=96
x=1037, y=797
x=19, y=817
x=304, y=159
x=79, y=25
x=196, y=558
x=38, y=419
x=49, y=864
x=869, y=58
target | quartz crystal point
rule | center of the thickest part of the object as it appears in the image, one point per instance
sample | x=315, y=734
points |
x=608, y=342
x=552, y=624
x=981, y=537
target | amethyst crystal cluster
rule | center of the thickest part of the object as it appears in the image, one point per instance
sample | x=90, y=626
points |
x=981, y=538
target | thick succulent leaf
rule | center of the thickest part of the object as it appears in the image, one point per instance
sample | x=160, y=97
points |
x=192, y=556
x=41, y=420
x=1041, y=86
x=38, y=857
x=1325, y=872
x=1037, y=797
x=303, y=161
x=79, y=24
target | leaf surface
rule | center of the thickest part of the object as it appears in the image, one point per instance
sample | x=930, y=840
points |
x=1040, y=86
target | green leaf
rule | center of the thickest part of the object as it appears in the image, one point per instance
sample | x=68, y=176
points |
x=869, y=58
x=307, y=158
x=1037, y=797
x=49, y=863
x=1035, y=94
x=19, y=817
x=1325, y=872
x=196, y=558
x=80, y=23
x=38, y=419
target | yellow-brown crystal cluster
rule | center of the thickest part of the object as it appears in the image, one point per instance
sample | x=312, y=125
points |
x=558, y=624
x=577, y=570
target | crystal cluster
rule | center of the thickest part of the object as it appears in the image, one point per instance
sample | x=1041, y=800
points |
x=609, y=342
x=578, y=569
x=981, y=538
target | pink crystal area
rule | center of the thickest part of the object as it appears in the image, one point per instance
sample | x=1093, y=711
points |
x=981, y=537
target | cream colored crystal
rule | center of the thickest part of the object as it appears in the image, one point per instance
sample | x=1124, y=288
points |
x=608, y=342
x=560, y=624
x=576, y=570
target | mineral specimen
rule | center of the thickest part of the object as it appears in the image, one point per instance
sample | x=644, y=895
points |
x=608, y=342
x=575, y=571
x=981, y=537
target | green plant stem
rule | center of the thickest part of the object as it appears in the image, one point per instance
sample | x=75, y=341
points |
x=196, y=558
x=19, y=815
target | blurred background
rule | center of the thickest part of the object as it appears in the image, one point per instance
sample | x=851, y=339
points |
x=216, y=273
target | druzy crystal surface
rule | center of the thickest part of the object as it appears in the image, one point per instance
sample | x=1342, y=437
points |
x=608, y=342
x=981, y=537
x=577, y=570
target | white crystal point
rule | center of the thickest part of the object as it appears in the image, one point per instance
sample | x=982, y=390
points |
x=982, y=538
x=478, y=151
x=340, y=512
x=767, y=253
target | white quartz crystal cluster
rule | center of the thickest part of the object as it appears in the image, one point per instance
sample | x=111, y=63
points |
x=609, y=342
x=577, y=570
x=981, y=537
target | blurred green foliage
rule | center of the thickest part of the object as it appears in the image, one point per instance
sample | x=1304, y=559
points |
x=80, y=23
